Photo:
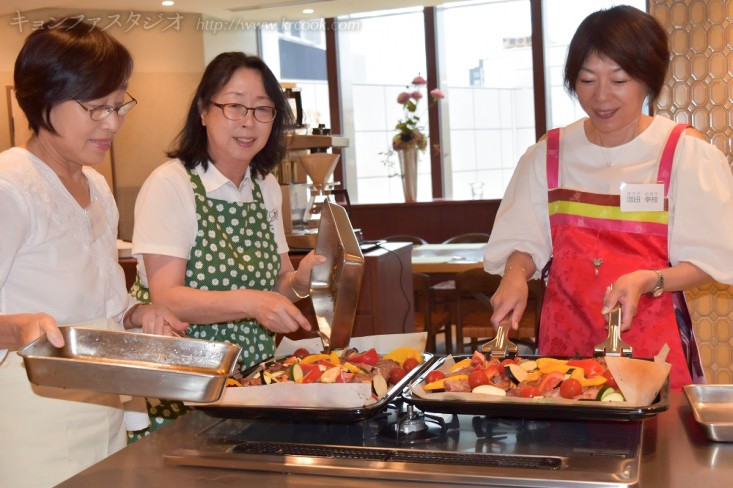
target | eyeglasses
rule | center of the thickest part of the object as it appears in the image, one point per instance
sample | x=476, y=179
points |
x=237, y=111
x=101, y=112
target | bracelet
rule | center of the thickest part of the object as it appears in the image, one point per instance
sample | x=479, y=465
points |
x=128, y=314
x=509, y=268
x=292, y=287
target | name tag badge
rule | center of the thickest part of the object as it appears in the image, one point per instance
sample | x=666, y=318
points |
x=638, y=197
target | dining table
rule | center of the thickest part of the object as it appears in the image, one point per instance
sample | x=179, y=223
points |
x=447, y=258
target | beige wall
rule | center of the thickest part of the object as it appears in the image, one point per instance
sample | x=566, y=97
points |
x=168, y=65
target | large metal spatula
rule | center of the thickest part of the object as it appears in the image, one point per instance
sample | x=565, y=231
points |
x=501, y=346
x=613, y=345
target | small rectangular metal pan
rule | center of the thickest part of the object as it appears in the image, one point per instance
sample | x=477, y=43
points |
x=321, y=414
x=712, y=406
x=134, y=364
x=524, y=408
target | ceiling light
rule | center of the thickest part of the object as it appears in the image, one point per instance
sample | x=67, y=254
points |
x=168, y=3
x=308, y=11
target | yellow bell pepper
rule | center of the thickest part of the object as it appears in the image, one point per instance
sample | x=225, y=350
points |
x=579, y=374
x=314, y=358
x=440, y=384
x=334, y=359
x=548, y=365
x=461, y=364
x=351, y=368
x=400, y=354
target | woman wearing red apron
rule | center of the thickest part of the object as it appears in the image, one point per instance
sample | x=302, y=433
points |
x=619, y=198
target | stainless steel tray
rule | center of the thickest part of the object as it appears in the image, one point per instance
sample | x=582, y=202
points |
x=712, y=406
x=132, y=364
x=339, y=415
x=521, y=408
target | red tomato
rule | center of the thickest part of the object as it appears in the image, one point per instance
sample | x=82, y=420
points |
x=508, y=361
x=493, y=370
x=610, y=381
x=370, y=357
x=301, y=353
x=529, y=392
x=396, y=375
x=477, y=378
x=434, y=376
x=570, y=388
x=590, y=366
x=325, y=363
x=410, y=364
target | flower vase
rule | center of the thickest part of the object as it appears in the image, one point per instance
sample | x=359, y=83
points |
x=408, y=166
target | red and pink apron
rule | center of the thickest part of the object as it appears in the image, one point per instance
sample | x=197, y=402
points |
x=594, y=243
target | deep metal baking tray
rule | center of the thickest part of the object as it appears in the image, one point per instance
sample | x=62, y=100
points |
x=523, y=408
x=134, y=364
x=324, y=414
x=336, y=283
x=712, y=406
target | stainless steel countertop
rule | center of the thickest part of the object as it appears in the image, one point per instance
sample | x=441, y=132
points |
x=676, y=453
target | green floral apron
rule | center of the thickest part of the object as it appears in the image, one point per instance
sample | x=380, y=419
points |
x=234, y=249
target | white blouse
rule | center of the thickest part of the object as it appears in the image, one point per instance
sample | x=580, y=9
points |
x=700, y=196
x=56, y=257
x=165, y=209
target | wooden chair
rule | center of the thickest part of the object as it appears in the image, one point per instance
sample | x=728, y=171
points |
x=471, y=237
x=473, y=309
x=427, y=318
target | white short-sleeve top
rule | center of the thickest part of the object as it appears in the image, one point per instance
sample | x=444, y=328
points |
x=700, y=196
x=56, y=257
x=165, y=210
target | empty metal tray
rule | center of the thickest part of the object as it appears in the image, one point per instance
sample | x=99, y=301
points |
x=132, y=364
x=712, y=406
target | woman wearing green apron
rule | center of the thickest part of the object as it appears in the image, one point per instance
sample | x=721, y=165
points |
x=208, y=233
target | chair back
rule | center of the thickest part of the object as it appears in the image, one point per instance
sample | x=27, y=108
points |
x=406, y=238
x=472, y=237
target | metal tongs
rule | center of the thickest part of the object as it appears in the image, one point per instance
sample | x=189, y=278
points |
x=501, y=346
x=613, y=345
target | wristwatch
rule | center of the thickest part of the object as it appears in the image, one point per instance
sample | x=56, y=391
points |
x=658, y=289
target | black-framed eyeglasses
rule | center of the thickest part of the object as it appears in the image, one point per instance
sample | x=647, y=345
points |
x=101, y=112
x=237, y=111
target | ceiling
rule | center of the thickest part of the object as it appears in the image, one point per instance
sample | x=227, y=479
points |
x=244, y=9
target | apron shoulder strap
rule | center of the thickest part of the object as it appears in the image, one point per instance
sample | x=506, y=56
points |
x=665, y=163
x=553, y=158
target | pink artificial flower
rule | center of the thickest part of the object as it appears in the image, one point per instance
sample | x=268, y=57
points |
x=419, y=80
x=403, y=97
x=416, y=95
x=436, y=93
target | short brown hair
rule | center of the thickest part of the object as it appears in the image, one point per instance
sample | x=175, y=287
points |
x=67, y=60
x=626, y=35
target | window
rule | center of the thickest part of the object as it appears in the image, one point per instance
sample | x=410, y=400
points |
x=486, y=58
x=485, y=61
x=376, y=62
x=296, y=53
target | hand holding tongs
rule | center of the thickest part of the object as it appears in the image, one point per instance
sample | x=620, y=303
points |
x=613, y=345
x=501, y=346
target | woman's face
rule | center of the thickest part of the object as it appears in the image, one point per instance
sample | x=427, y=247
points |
x=80, y=139
x=612, y=99
x=237, y=141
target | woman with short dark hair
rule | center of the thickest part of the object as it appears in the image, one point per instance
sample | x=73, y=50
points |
x=58, y=254
x=209, y=234
x=629, y=209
